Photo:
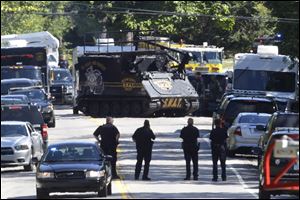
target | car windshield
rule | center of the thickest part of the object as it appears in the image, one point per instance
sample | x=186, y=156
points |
x=236, y=107
x=61, y=76
x=21, y=113
x=72, y=152
x=10, y=130
x=264, y=80
x=33, y=73
x=254, y=119
x=287, y=121
x=32, y=94
x=6, y=86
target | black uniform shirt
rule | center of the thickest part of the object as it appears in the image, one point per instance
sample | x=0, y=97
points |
x=108, y=133
x=143, y=137
x=218, y=136
x=189, y=134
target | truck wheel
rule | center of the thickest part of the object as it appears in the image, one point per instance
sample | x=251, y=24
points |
x=109, y=191
x=125, y=110
x=52, y=124
x=104, y=109
x=115, y=109
x=136, y=109
x=94, y=108
x=75, y=111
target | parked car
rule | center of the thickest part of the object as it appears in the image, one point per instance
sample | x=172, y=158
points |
x=278, y=119
x=38, y=97
x=244, y=133
x=232, y=105
x=20, y=143
x=26, y=113
x=74, y=167
x=61, y=85
x=14, y=99
x=278, y=158
x=7, y=84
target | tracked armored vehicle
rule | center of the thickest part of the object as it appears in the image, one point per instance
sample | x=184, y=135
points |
x=129, y=77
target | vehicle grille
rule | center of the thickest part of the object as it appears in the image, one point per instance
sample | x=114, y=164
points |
x=7, y=151
x=55, y=89
x=70, y=175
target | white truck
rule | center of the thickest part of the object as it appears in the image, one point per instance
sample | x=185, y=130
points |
x=268, y=72
x=39, y=39
x=29, y=55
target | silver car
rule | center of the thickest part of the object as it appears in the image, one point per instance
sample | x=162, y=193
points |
x=20, y=142
x=245, y=132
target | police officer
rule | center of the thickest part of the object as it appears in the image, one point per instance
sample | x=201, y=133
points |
x=143, y=137
x=218, y=138
x=190, y=146
x=63, y=63
x=109, y=141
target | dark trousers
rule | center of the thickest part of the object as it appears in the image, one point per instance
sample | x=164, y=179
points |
x=191, y=154
x=143, y=154
x=112, y=152
x=218, y=153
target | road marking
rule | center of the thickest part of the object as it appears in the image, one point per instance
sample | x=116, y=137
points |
x=239, y=177
x=119, y=183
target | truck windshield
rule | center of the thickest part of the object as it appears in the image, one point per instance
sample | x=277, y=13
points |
x=7, y=73
x=211, y=57
x=60, y=75
x=264, y=80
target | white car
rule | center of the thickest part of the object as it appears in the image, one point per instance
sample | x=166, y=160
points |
x=20, y=142
x=245, y=132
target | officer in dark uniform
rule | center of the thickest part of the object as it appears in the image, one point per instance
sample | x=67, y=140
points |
x=190, y=146
x=63, y=63
x=109, y=141
x=218, y=138
x=143, y=138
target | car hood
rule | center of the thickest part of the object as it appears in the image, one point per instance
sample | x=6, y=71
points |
x=71, y=166
x=12, y=141
x=60, y=83
x=40, y=103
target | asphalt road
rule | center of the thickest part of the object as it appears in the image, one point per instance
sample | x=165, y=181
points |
x=167, y=168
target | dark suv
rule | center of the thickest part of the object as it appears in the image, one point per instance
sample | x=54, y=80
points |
x=7, y=84
x=61, y=85
x=277, y=120
x=233, y=104
x=39, y=97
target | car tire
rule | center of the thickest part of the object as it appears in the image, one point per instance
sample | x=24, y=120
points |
x=41, y=193
x=230, y=153
x=53, y=123
x=75, y=111
x=262, y=194
x=30, y=166
x=109, y=191
x=103, y=191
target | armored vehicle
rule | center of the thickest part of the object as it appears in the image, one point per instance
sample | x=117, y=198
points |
x=127, y=74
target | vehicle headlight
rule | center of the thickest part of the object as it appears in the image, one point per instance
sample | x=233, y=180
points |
x=21, y=147
x=69, y=89
x=95, y=174
x=45, y=175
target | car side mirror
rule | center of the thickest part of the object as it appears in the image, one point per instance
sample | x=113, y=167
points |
x=261, y=127
x=108, y=158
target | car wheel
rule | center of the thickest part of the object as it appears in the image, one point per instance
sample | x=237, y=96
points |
x=109, y=192
x=30, y=166
x=103, y=192
x=230, y=153
x=75, y=111
x=52, y=124
x=41, y=193
x=262, y=194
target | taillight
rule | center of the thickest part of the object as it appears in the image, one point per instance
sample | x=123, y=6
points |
x=238, y=131
x=44, y=131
